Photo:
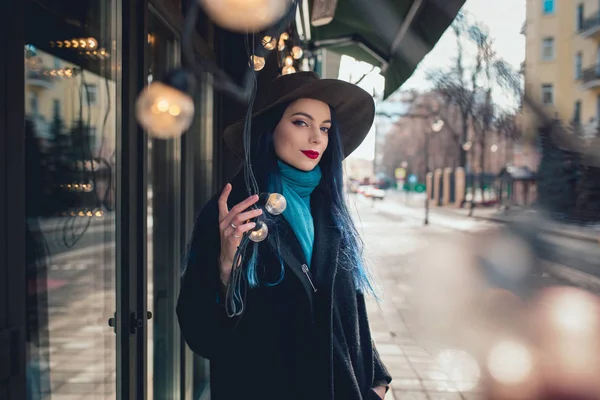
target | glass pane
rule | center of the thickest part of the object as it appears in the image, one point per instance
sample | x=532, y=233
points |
x=71, y=119
x=164, y=227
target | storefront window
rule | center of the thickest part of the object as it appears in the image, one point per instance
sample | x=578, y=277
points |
x=70, y=127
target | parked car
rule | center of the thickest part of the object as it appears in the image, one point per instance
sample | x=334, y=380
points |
x=372, y=191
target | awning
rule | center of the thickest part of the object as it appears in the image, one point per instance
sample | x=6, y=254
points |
x=394, y=35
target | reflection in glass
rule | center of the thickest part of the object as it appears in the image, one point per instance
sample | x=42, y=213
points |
x=70, y=103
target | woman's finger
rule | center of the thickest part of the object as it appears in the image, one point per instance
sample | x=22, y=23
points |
x=240, y=230
x=245, y=216
x=223, y=209
x=237, y=209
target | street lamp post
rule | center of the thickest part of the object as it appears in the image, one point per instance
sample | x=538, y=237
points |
x=436, y=126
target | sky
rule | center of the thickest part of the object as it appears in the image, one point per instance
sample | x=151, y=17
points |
x=504, y=20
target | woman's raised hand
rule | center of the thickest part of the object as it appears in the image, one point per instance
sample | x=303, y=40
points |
x=233, y=224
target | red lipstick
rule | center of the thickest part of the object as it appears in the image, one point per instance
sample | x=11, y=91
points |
x=313, y=155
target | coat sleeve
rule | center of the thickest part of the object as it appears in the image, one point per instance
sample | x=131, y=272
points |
x=381, y=376
x=203, y=321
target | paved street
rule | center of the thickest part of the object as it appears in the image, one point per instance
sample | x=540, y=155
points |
x=423, y=365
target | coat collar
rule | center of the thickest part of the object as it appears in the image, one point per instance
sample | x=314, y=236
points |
x=326, y=245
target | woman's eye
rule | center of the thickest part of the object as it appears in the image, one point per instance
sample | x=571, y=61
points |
x=325, y=129
x=300, y=123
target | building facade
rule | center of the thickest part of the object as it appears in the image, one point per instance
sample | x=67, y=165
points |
x=562, y=63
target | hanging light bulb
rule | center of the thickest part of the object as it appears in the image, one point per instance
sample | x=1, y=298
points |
x=276, y=204
x=288, y=69
x=284, y=36
x=166, y=109
x=297, y=52
x=257, y=62
x=281, y=45
x=245, y=15
x=259, y=233
x=74, y=43
x=288, y=61
x=92, y=43
x=83, y=43
x=269, y=43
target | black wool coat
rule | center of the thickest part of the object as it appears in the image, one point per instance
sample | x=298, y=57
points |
x=293, y=341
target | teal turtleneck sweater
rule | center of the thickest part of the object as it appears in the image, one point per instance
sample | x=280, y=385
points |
x=297, y=187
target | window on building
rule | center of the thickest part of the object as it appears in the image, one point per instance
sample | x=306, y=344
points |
x=548, y=49
x=577, y=112
x=548, y=6
x=548, y=94
x=579, y=22
x=578, y=65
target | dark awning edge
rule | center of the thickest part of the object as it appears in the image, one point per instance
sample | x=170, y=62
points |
x=394, y=35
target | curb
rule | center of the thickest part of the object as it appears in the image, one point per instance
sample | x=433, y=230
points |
x=574, y=276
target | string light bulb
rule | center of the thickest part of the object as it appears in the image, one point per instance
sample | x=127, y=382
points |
x=92, y=43
x=245, y=15
x=259, y=233
x=288, y=61
x=297, y=52
x=281, y=45
x=288, y=69
x=166, y=108
x=276, y=204
x=284, y=36
x=257, y=62
x=269, y=43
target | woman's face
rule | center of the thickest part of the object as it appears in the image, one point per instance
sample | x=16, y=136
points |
x=302, y=134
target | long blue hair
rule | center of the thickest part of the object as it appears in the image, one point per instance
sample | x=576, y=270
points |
x=266, y=171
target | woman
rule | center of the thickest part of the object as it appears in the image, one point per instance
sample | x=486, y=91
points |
x=304, y=332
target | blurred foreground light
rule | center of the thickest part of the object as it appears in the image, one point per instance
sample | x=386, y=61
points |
x=288, y=69
x=510, y=362
x=245, y=15
x=166, y=109
x=460, y=367
x=574, y=311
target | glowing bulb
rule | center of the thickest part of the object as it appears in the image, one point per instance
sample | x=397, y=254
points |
x=258, y=62
x=165, y=112
x=174, y=110
x=437, y=125
x=75, y=43
x=269, y=42
x=245, y=15
x=494, y=148
x=60, y=44
x=82, y=43
x=281, y=45
x=297, y=52
x=68, y=72
x=284, y=36
x=259, y=233
x=288, y=69
x=34, y=63
x=92, y=43
x=276, y=204
x=288, y=61
x=510, y=362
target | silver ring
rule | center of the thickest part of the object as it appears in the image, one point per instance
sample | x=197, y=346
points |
x=233, y=226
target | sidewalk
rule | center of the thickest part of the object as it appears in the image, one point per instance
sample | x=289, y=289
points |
x=493, y=214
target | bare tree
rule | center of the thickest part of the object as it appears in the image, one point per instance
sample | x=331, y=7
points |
x=456, y=85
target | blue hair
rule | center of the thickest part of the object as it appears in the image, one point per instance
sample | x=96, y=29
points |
x=267, y=174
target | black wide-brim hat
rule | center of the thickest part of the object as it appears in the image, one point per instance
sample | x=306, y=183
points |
x=354, y=107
